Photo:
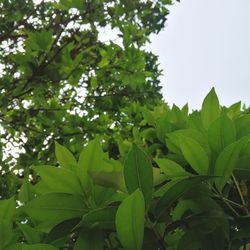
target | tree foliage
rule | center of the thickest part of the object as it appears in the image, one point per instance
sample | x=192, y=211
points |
x=104, y=163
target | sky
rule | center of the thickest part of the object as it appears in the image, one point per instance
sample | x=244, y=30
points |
x=205, y=44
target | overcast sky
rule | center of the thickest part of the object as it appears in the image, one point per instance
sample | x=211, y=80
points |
x=205, y=43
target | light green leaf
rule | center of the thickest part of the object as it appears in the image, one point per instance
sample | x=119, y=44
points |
x=194, y=154
x=7, y=209
x=26, y=192
x=59, y=180
x=242, y=125
x=171, y=169
x=65, y=157
x=55, y=207
x=91, y=157
x=226, y=162
x=210, y=108
x=130, y=221
x=138, y=173
x=221, y=133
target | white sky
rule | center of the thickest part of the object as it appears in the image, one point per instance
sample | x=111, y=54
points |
x=205, y=43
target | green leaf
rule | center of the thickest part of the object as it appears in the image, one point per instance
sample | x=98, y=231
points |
x=59, y=180
x=194, y=154
x=210, y=109
x=226, y=162
x=171, y=169
x=130, y=221
x=221, y=133
x=104, y=218
x=90, y=158
x=176, y=191
x=55, y=207
x=38, y=247
x=138, y=173
x=26, y=192
x=91, y=239
x=6, y=233
x=242, y=125
x=31, y=235
x=7, y=209
x=65, y=157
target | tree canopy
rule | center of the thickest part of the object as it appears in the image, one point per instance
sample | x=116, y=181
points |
x=91, y=155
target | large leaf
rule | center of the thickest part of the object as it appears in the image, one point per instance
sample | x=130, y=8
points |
x=90, y=157
x=171, y=169
x=6, y=233
x=65, y=157
x=138, y=173
x=7, y=209
x=55, y=207
x=130, y=221
x=59, y=180
x=242, y=125
x=102, y=217
x=210, y=109
x=91, y=239
x=176, y=191
x=27, y=192
x=31, y=235
x=194, y=154
x=221, y=133
x=226, y=162
x=38, y=247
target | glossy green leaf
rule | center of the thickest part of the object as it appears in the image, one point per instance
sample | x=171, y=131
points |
x=7, y=209
x=176, y=191
x=171, y=169
x=210, y=109
x=91, y=239
x=59, y=180
x=130, y=221
x=221, y=133
x=194, y=154
x=55, y=207
x=65, y=157
x=138, y=173
x=226, y=162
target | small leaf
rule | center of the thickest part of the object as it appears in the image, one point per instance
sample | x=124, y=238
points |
x=65, y=157
x=195, y=155
x=59, y=180
x=226, y=162
x=130, y=221
x=138, y=173
x=171, y=169
x=221, y=133
x=210, y=109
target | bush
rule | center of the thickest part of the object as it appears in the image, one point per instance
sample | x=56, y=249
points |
x=181, y=183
